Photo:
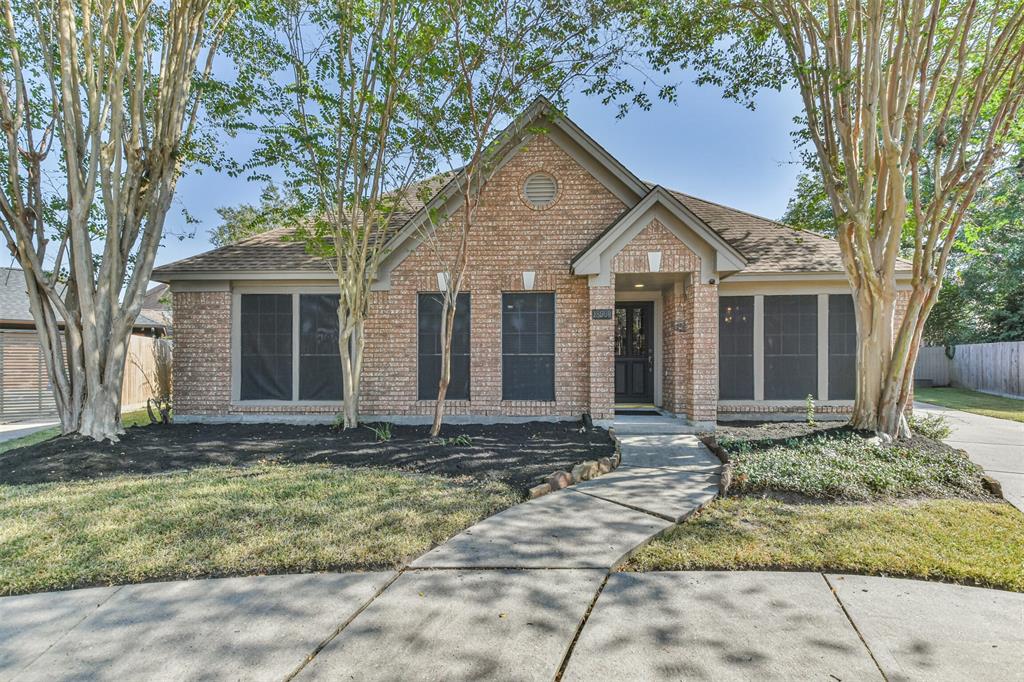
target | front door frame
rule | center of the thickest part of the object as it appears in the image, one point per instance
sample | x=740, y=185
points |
x=659, y=337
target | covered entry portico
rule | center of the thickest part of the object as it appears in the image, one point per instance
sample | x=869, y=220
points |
x=653, y=290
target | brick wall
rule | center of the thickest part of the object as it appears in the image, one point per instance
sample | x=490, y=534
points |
x=702, y=388
x=202, y=352
x=510, y=237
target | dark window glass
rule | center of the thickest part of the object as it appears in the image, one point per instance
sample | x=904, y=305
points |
x=842, y=348
x=736, y=348
x=790, y=347
x=319, y=357
x=528, y=346
x=266, y=347
x=430, y=347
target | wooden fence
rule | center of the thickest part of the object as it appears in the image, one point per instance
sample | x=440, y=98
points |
x=25, y=391
x=989, y=367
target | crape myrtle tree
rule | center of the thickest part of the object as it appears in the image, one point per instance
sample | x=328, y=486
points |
x=339, y=113
x=498, y=56
x=99, y=105
x=907, y=106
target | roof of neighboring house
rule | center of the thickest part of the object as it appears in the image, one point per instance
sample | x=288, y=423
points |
x=768, y=246
x=14, y=305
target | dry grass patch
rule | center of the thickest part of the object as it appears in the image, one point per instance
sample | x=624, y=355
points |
x=229, y=521
x=978, y=543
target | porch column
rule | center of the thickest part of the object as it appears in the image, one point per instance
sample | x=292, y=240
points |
x=703, y=384
x=602, y=351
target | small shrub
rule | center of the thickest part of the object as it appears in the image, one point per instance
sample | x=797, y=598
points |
x=382, y=431
x=933, y=426
x=461, y=439
x=810, y=409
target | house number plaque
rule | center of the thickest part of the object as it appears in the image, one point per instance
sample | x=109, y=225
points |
x=601, y=313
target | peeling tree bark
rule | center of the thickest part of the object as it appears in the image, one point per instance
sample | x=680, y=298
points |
x=107, y=91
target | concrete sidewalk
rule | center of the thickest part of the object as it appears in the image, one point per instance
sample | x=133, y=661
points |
x=517, y=625
x=997, y=445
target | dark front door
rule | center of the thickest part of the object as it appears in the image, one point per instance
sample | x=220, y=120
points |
x=634, y=352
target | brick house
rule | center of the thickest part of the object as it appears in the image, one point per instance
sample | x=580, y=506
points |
x=589, y=291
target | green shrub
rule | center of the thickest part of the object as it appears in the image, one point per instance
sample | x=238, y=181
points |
x=933, y=426
x=382, y=431
x=846, y=465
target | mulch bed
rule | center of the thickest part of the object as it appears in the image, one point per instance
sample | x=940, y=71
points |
x=517, y=454
x=767, y=434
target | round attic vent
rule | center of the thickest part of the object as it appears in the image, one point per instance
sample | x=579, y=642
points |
x=540, y=190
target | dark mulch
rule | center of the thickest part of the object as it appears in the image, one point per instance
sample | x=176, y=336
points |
x=763, y=435
x=517, y=454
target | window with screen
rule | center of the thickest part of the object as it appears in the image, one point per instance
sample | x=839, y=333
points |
x=265, y=347
x=790, y=347
x=319, y=356
x=736, y=348
x=528, y=346
x=842, y=348
x=430, y=324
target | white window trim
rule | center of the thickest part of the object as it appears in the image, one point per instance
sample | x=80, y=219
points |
x=236, y=346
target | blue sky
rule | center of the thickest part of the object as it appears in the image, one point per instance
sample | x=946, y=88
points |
x=702, y=145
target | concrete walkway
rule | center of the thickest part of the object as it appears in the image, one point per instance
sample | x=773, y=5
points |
x=526, y=595
x=12, y=430
x=997, y=445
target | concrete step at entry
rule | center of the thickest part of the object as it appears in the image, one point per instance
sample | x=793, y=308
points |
x=629, y=425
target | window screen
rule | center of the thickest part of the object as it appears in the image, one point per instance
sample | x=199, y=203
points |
x=319, y=356
x=736, y=348
x=842, y=348
x=790, y=347
x=528, y=346
x=430, y=347
x=266, y=347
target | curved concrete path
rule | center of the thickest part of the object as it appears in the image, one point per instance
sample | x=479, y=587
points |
x=528, y=594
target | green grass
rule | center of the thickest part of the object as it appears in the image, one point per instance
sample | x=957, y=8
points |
x=228, y=521
x=845, y=466
x=956, y=540
x=136, y=418
x=973, y=401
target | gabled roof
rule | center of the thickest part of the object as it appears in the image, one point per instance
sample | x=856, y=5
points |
x=589, y=260
x=506, y=145
x=767, y=247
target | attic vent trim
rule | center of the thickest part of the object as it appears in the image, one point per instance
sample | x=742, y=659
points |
x=540, y=190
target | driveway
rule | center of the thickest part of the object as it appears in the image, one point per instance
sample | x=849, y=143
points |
x=12, y=430
x=997, y=445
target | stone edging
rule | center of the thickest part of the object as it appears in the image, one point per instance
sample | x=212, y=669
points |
x=722, y=454
x=584, y=471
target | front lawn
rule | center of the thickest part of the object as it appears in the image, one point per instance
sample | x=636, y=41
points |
x=980, y=543
x=826, y=498
x=973, y=401
x=263, y=518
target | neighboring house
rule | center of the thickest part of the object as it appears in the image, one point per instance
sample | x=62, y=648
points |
x=157, y=306
x=25, y=391
x=588, y=291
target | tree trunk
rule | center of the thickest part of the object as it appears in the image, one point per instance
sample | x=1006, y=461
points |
x=101, y=413
x=883, y=364
x=447, y=330
x=351, y=343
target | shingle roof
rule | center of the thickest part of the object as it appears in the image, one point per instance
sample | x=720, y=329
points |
x=768, y=245
x=275, y=250
x=14, y=305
